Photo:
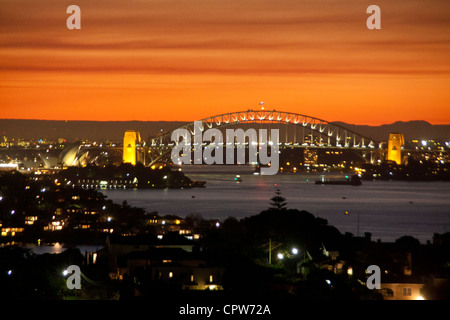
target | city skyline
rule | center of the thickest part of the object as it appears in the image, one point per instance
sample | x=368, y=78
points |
x=188, y=60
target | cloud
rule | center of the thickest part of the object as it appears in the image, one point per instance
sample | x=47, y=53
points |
x=289, y=41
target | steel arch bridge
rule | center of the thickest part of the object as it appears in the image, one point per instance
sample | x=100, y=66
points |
x=308, y=132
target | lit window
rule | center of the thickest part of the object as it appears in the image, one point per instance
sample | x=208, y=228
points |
x=406, y=291
x=387, y=292
x=350, y=271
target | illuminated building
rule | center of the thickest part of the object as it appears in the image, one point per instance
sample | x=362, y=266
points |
x=395, y=144
x=131, y=147
x=310, y=157
x=30, y=220
x=11, y=231
x=71, y=155
x=402, y=291
x=8, y=166
x=4, y=141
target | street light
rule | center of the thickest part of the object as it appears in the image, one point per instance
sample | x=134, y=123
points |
x=357, y=221
x=294, y=250
x=280, y=256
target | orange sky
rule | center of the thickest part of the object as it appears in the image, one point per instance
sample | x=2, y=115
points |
x=190, y=59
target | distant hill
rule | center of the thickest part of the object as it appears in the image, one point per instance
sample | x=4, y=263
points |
x=411, y=130
x=79, y=130
x=113, y=130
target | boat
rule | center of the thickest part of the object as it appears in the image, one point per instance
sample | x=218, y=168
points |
x=197, y=184
x=355, y=180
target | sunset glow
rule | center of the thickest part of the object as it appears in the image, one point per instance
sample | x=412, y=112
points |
x=186, y=60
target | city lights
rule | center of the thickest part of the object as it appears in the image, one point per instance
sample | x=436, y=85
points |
x=76, y=198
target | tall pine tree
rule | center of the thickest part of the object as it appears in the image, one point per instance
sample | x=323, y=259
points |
x=278, y=201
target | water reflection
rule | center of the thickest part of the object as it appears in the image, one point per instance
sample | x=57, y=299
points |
x=56, y=248
x=387, y=209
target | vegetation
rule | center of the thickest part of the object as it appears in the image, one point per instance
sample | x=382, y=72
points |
x=280, y=253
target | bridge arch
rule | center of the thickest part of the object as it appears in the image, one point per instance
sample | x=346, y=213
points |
x=338, y=136
x=327, y=134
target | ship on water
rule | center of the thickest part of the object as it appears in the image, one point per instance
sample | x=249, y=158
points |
x=354, y=180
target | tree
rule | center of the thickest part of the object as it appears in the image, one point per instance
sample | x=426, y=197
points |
x=408, y=243
x=196, y=222
x=278, y=201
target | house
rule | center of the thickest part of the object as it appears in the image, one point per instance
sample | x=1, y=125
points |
x=189, y=270
x=402, y=290
x=118, y=246
x=11, y=231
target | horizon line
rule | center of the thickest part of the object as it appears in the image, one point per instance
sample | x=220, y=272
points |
x=188, y=121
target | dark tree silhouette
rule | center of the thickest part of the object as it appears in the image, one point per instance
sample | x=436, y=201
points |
x=278, y=201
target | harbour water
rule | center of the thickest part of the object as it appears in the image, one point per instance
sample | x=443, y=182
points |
x=56, y=248
x=386, y=209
